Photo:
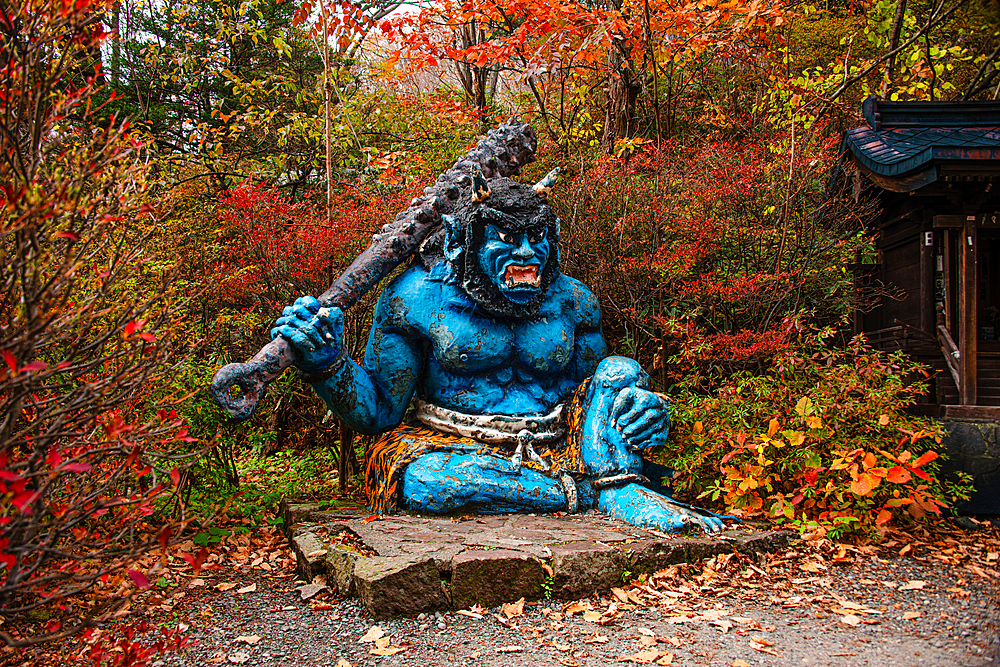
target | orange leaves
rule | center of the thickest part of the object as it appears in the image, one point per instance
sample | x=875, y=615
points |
x=865, y=483
x=898, y=475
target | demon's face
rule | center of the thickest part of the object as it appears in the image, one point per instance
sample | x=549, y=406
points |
x=513, y=258
x=505, y=249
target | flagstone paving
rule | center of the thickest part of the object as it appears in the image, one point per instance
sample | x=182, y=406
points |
x=403, y=564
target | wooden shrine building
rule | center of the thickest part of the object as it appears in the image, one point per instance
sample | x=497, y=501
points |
x=934, y=169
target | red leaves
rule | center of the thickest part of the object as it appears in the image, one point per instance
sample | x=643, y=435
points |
x=24, y=500
x=134, y=326
x=197, y=560
x=138, y=578
x=10, y=560
x=11, y=362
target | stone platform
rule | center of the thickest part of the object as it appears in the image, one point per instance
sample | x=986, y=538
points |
x=406, y=564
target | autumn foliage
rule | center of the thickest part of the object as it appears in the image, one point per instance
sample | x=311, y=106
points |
x=172, y=175
x=90, y=460
x=819, y=439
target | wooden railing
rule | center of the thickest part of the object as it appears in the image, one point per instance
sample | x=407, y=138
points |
x=952, y=355
x=901, y=334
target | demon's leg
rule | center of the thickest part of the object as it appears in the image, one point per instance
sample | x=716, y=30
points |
x=442, y=482
x=608, y=455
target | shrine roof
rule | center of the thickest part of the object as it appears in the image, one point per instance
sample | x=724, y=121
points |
x=903, y=137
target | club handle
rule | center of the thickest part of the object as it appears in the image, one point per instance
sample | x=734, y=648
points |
x=251, y=378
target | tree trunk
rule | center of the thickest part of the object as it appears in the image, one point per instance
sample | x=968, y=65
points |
x=326, y=119
x=623, y=89
x=897, y=28
x=346, y=457
x=116, y=44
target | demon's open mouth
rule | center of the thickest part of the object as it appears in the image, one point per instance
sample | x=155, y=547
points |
x=519, y=277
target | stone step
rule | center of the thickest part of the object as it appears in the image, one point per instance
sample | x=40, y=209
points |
x=403, y=565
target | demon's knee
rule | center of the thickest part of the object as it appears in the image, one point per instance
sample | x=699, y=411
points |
x=617, y=373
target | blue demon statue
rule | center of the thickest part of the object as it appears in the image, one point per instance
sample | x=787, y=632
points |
x=487, y=378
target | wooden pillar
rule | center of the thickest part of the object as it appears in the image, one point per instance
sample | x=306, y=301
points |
x=967, y=300
x=949, y=301
x=928, y=315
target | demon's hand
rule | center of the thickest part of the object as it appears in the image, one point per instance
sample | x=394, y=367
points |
x=315, y=331
x=642, y=417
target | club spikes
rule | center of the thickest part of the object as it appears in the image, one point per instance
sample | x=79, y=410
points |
x=543, y=186
x=480, y=188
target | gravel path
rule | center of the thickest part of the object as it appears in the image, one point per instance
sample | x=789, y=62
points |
x=925, y=599
x=817, y=605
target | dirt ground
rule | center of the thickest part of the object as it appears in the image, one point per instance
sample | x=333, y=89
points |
x=923, y=598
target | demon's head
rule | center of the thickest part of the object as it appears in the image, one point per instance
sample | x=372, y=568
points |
x=503, y=245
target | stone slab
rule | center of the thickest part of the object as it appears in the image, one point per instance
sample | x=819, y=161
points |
x=340, y=570
x=580, y=569
x=973, y=447
x=489, y=578
x=488, y=560
x=399, y=585
x=650, y=555
x=309, y=554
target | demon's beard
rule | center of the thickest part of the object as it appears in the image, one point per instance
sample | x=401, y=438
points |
x=481, y=288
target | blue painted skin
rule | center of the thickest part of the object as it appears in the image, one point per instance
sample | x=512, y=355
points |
x=430, y=338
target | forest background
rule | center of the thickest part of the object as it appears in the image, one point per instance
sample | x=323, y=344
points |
x=173, y=174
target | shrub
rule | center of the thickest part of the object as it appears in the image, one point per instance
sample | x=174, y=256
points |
x=87, y=460
x=820, y=438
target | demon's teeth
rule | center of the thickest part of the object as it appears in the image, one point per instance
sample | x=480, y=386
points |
x=522, y=276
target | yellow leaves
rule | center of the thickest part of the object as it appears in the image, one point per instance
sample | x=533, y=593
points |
x=795, y=438
x=883, y=420
x=806, y=409
x=804, y=406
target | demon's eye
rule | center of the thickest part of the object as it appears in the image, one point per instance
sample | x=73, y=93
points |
x=537, y=237
x=505, y=237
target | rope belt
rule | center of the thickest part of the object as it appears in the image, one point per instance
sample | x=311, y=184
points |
x=493, y=429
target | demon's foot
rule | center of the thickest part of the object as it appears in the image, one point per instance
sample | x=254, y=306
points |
x=641, y=507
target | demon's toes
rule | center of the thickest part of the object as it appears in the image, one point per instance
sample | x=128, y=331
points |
x=643, y=508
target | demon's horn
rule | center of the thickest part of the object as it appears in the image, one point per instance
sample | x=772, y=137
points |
x=480, y=188
x=543, y=186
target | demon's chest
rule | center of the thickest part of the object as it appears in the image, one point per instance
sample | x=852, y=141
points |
x=467, y=344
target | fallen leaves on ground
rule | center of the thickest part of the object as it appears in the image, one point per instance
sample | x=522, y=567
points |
x=374, y=633
x=513, y=610
x=646, y=657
